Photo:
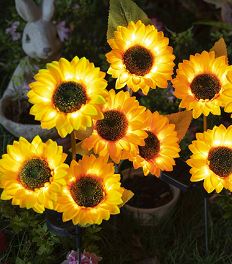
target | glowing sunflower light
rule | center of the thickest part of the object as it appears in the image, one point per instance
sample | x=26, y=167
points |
x=33, y=173
x=160, y=148
x=212, y=158
x=228, y=94
x=92, y=193
x=201, y=83
x=121, y=128
x=140, y=57
x=67, y=95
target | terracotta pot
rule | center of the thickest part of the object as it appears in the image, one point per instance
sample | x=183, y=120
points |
x=28, y=131
x=146, y=216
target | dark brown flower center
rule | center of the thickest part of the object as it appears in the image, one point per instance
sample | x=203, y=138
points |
x=205, y=86
x=220, y=161
x=138, y=60
x=34, y=174
x=113, y=127
x=151, y=148
x=87, y=191
x=69, y=97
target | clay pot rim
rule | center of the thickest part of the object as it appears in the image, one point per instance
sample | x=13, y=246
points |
x=175, y=191
x=3, y=103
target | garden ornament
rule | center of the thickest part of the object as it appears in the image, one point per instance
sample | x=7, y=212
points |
x=40, y=42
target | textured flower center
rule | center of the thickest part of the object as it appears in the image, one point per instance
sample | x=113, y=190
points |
x=138, y=60
x=205, y=86
x=34, y=174
x=151, y=148
x=87, y=191
x=113, y=127
x=69, y=97
x=220, y=161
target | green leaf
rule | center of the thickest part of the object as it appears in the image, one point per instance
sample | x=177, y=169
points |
x=41, y=250
x=19, y=261
x=55, y=239
x=95, y=238
x=227, y=214
x=214, y=23
x=17, y=80
x=219, y=199
x=102, y=56
x=96, y=228
x=45, y=228
x=37, y=240
x=121, y=13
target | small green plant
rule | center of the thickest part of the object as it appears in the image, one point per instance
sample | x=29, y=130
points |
x=18, y=80
x=90, y=239
x=184, y=43
x=224, y=200
x=44, y=239
x=24, y=220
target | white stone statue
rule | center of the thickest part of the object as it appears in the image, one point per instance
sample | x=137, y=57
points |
x=39, y=41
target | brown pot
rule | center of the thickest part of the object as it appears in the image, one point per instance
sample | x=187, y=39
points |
x=146, y=216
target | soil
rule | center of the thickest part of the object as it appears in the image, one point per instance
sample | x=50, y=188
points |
x=149, y=191
x=18, y=111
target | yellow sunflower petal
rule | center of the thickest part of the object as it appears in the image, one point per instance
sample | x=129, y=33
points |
x=211, y=160
x=157, y=153
x=100, y=204
x=89, y=110
x=111, y=136
x=44, y=160
x=193, y=74
x=53, y=107
x=140, y=39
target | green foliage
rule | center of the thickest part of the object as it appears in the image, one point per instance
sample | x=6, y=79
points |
x=22, y=221
x=30, y=241
x=90, y=239
x=88, y=36
x=214, y=24
x=11, y=51
x=44, y=239
x=224, y=200
x=184, y=43
x=18, y=80
x=158, y=100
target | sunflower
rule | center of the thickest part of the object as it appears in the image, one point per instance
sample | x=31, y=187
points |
x=212, y=158
x=33, y=173
x=160, y=148
x=67, y=95
x=228, y=94
x=201, y=83
x=140, y=57
x=92, y=193
x=121, y=128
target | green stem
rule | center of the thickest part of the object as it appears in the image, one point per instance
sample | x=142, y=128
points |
x=204, y=122
x=73, y=145
x=206, y=203
x=78, y=238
